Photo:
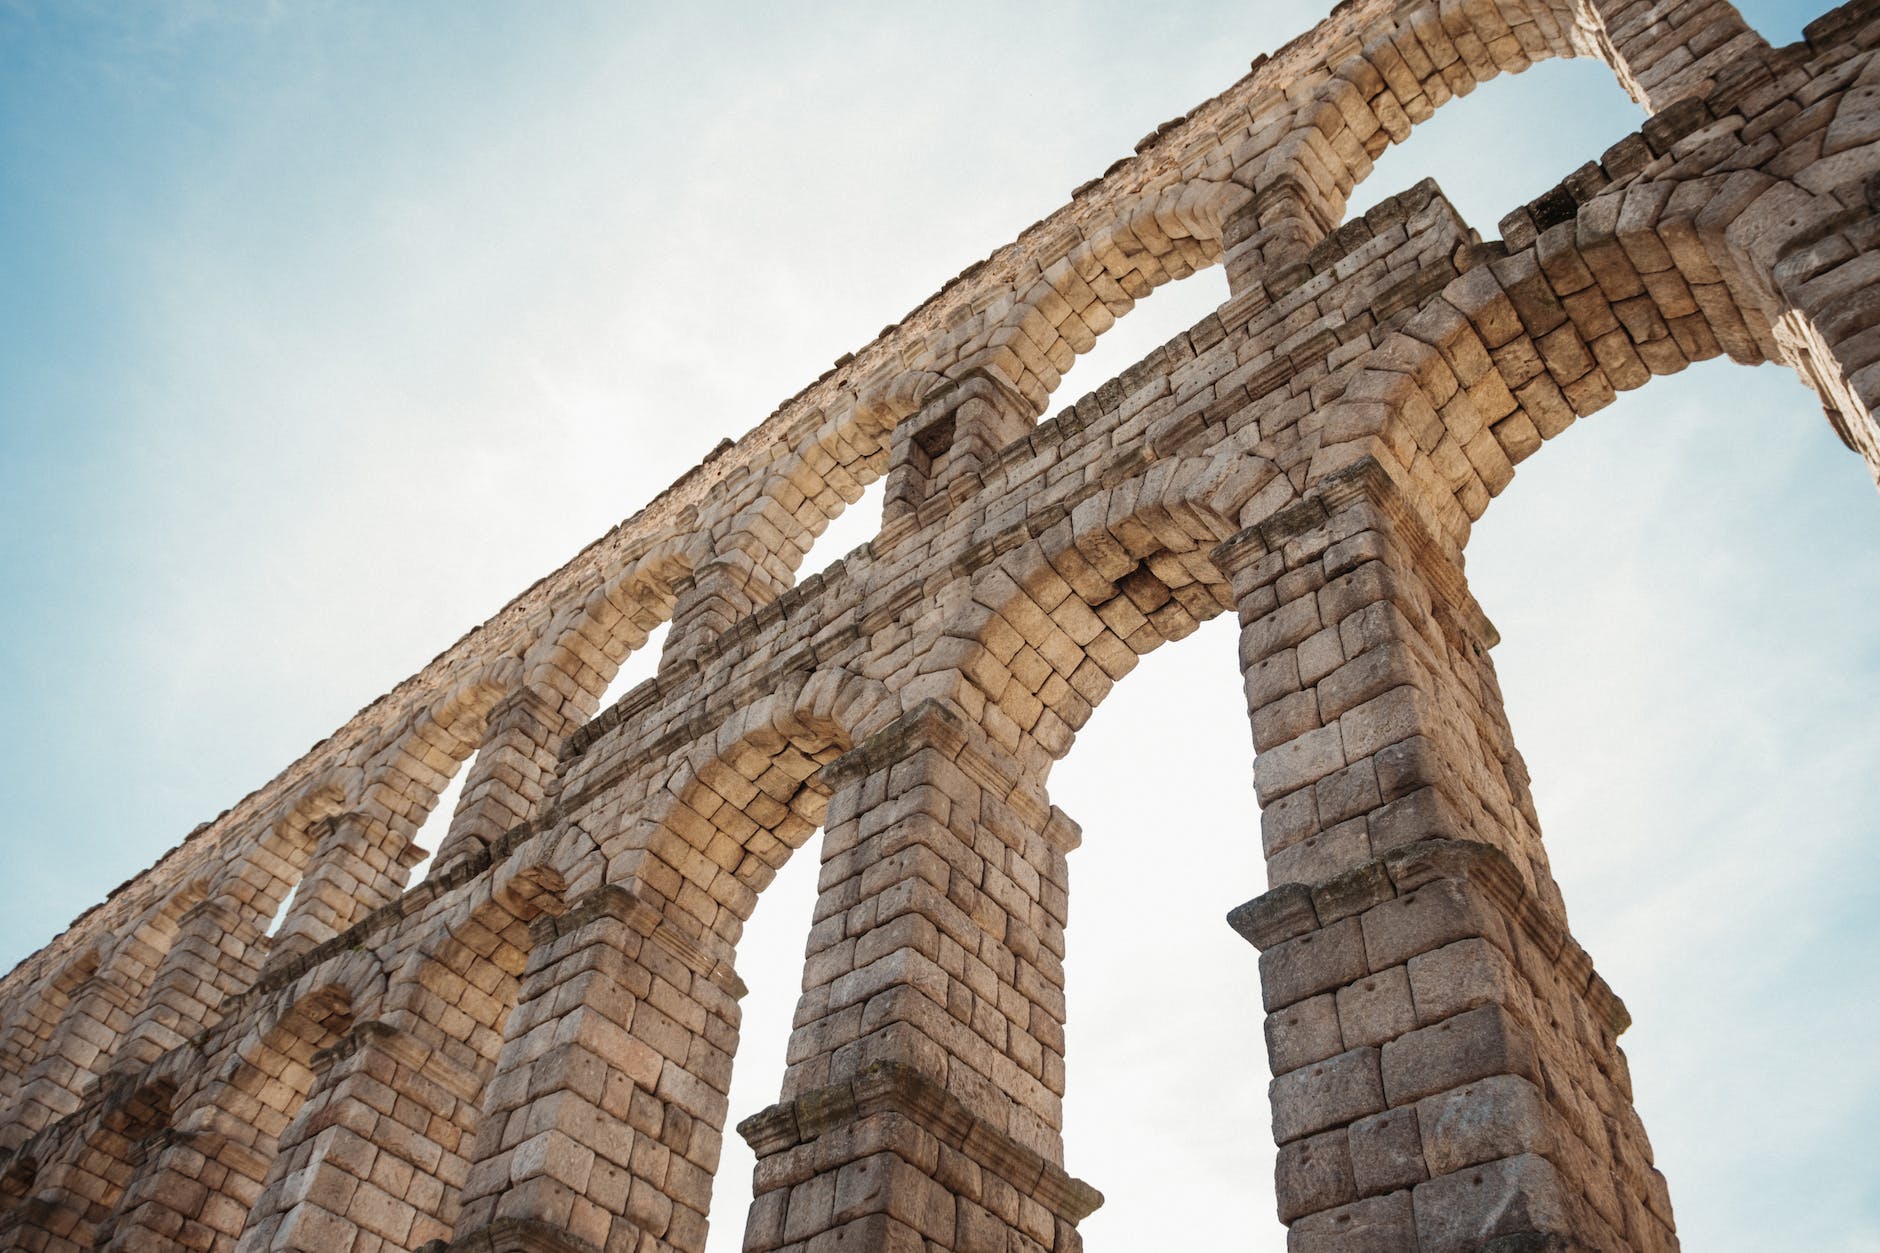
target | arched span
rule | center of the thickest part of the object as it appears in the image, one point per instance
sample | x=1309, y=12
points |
x=1057, y=621
x=579, y=652
x=723, y=814
x=1641, y=282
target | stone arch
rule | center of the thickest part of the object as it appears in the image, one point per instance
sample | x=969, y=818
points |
x=43, y=1088
x=201, y=1183
x=659, y=1015
x=556, y=687
x=876, y=408
x=1052, y=625
x=267, y=866
x=579, y=652
x=734, y=806
x=87, y=1169
x=410, y=1080
x=1398, y=68
x=1641, y=281
x=36, y=1016
x=293, y=865
x=405, y=779
x=139, y=962
x=218, y=937
x=99, y=998
x=1031, y=339
x=463, y=981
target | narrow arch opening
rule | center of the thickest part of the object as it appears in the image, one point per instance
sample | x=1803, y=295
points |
x=1157, y=318
x=859, y=522
x=1505, y=117
x=436, y=825
x=770, y=961
x=640, y=665
x=282, y=910
x=1165, y=1070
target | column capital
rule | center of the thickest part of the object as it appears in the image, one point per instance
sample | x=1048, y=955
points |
x=425, y=1057
x=520, y=1235
x=532, y=701
x=619, y=905
x=933, y=725
x=1362, y=496
x=1295, y=909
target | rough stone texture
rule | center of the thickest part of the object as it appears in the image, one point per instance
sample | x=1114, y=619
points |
x=531, y=1048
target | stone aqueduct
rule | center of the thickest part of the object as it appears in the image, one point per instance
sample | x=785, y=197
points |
x=531, y=1048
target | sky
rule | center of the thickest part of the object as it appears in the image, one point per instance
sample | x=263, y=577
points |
x=328, y=327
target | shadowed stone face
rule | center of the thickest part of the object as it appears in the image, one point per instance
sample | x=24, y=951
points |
x=531, y=1049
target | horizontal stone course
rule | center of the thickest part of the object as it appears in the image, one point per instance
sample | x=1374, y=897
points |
x=532, y=1047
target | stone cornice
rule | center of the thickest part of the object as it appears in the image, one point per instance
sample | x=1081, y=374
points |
x=895, y=1088
x=1292, y=909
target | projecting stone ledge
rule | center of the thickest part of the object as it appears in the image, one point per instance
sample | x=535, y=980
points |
x=894, y=1149
x=1446, y=1068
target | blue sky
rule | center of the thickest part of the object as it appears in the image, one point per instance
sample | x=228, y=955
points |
x=328, y=327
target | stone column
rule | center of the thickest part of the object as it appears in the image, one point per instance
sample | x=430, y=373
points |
x=754, y=555
x=217, y=954
x=80, y=1045
x=922, y=1105
x=512, y=771
x=1447, y=1074
x=200, y=1177
x=378, y=1151
x=1267, y=241
x=1377, y=717
x=73, y=1194
x=714, y=597
x=357, y=865
x=194, y=1182
x=955, y=434
x=602, y=1125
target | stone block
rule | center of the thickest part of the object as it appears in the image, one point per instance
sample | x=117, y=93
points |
x=1387, y=1152
x=1517, y=1196
x=1376, y=1008
x=1315, y=962
x=1275, y=916
x=1475, y=1045
x=1297, y=763
x=1380, y=1224
x=1313, y=1174
x=1461, y=976
x=1324, y=854
x=1501, y=1116
x=1303, y=1033
x=1326, y=1094
x=1427, y=918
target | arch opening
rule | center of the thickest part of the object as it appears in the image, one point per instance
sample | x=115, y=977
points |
x=431, y=832
x=1167, y=311
x=858, y=523
x=1503, y=118
x=1158, y=778
x=1698, y=771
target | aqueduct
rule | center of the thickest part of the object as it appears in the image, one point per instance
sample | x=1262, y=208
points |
x=531, y=1048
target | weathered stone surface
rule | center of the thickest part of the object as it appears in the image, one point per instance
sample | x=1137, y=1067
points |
x=1326, y=1094
x=1516, y=1196
x=531, y=1049
x=1387, y=1152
